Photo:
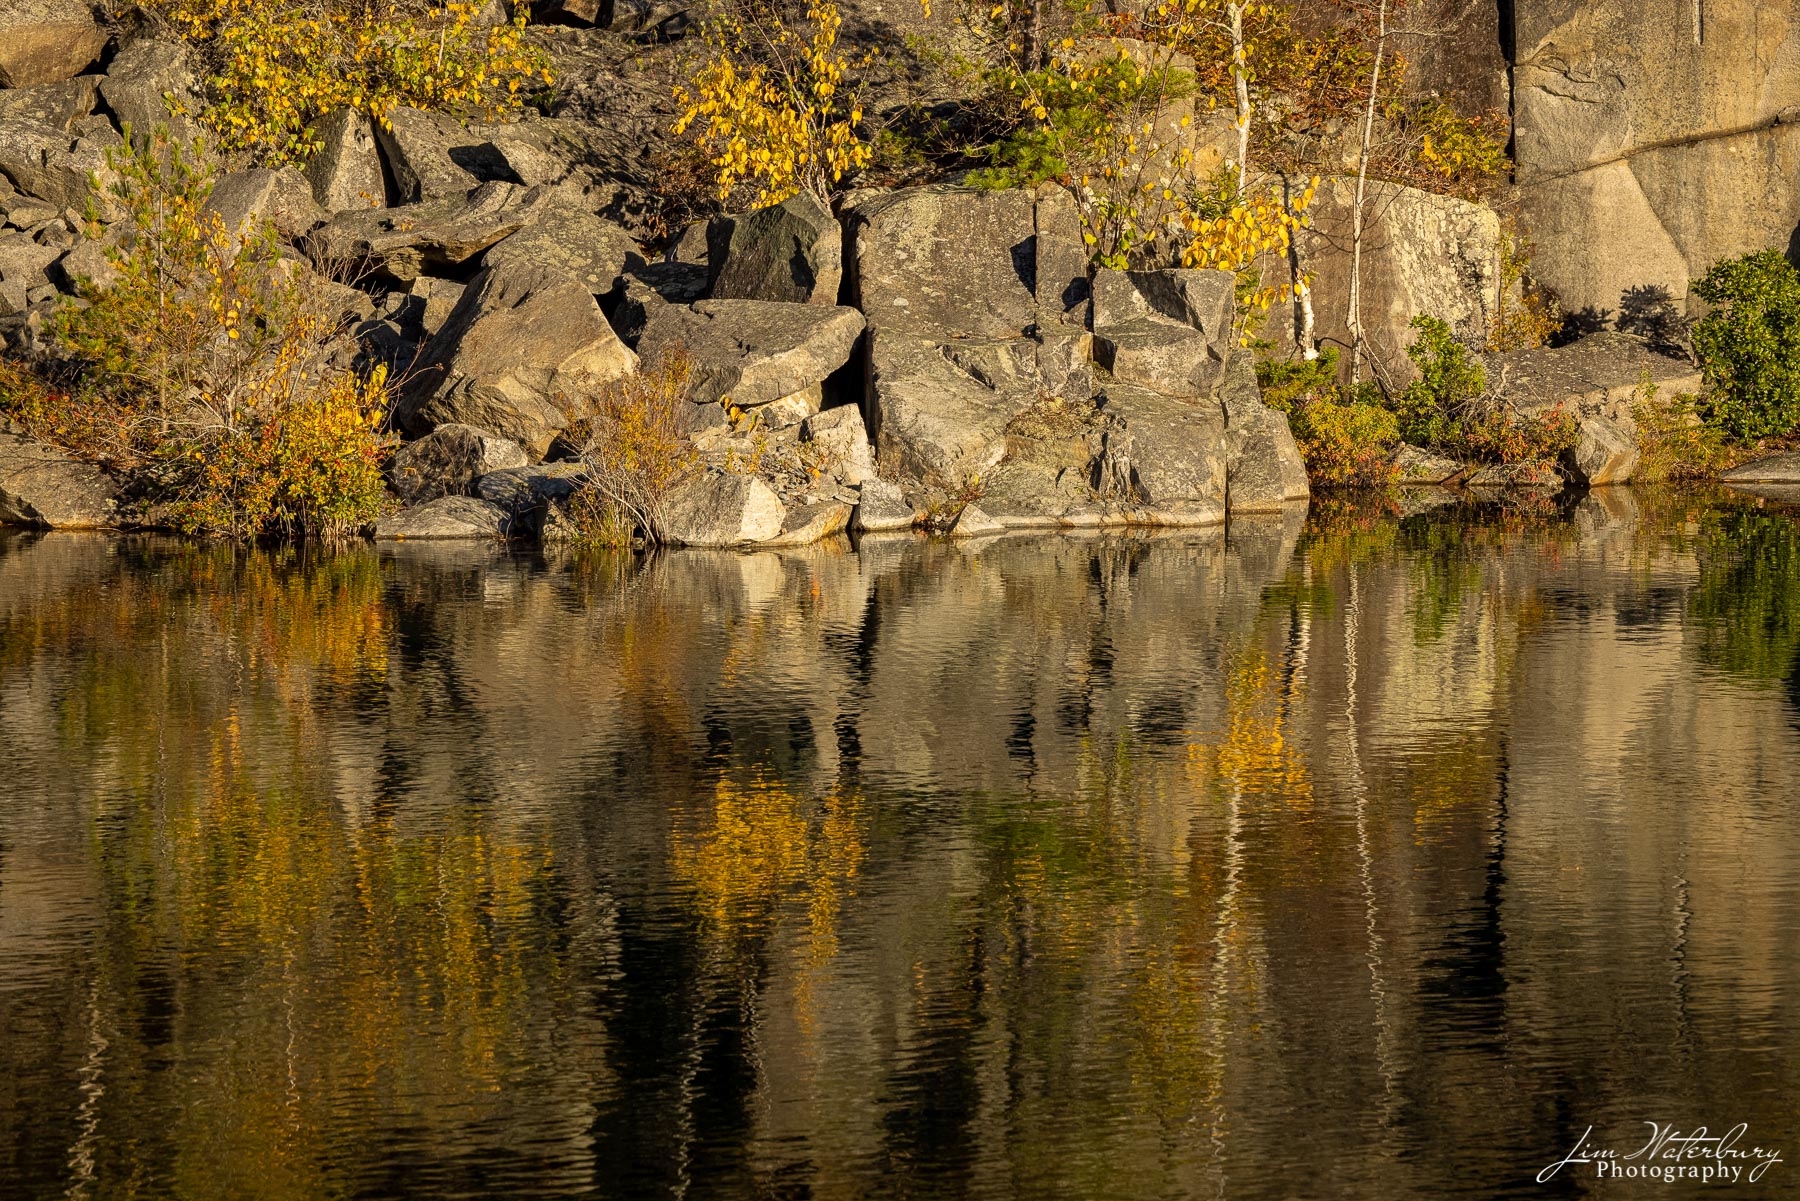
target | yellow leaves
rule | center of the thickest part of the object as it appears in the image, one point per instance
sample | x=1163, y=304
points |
x=282, y=67
x=777, y=124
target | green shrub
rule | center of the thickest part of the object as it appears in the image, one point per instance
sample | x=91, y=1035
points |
x=1431, y=409
x=1674, y=443
x=1345, y=435
x=1749, y=345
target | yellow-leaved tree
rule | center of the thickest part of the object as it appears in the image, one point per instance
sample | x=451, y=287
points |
x=773, y=108
x=274, y=66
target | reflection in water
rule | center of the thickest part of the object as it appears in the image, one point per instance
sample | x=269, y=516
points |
x=1375, y=858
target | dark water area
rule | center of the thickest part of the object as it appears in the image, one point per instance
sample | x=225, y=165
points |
x=1340, y=855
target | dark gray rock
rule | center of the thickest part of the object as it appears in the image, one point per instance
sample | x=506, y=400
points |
x=432, y=156
x=753, y=352
x=449, y=460
x=528, y=488
x=792, y=251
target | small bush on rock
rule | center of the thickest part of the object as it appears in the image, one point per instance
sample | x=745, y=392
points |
x=1673, y=442
x=1431, y=408
x=1749, y=345
x=275, y=66
x=1446, y=407
x=636, y=454
x=207, y=375
x=1345, y=435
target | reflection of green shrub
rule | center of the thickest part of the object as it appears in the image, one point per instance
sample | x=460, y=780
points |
x=1746, y=609
x=1345, y=435
x=1749, y=345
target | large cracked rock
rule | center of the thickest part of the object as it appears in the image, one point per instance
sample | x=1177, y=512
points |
x=41, y=486
x=942, y=263
x=1647, y=150
x=935, y=419
x=569, y=241
x=46, y=41
x=522, y=358
x=246, y=199
x=977, y=304
x=722, y=509
x=790, y=251
x=754, y=353
x=1162, y=458
x=434, y=238
x=1169, y=331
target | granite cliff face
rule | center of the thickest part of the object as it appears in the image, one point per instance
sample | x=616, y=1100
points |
x=1653, y=139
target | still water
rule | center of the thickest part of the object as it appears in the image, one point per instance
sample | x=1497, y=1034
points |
x=1346, y=855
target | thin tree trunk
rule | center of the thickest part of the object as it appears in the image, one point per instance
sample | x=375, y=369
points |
x=1305, y=326
x=1356, y=217
x=1240, y=74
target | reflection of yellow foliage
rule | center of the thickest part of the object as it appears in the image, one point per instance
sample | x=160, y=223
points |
x=761, y=846
x=1256, y=757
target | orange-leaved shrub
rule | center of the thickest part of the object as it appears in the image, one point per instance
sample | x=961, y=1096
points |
x=206, y=373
